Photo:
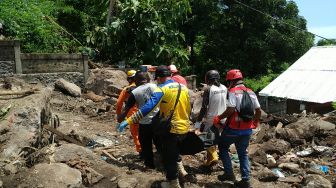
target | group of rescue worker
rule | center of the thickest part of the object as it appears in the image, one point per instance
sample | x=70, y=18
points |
x=141, y=103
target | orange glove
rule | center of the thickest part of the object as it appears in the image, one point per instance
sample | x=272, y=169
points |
x=216, y=121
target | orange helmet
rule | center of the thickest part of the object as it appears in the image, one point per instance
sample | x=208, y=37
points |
x=234, y=74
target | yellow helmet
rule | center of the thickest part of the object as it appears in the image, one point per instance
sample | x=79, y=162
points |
x=131, y=73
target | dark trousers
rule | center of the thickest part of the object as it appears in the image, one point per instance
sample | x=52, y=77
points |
x=147, y=138
x=171, y=153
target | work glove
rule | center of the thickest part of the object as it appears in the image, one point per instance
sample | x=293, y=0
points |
x=121, y=127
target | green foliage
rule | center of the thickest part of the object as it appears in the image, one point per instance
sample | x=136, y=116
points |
x=325, y=42
x=334, y=105
x=257, y=84
x=32, y=23
x=234, y=36
x=144, y=32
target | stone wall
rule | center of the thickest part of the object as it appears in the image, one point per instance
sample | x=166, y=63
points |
x=7, y=67
x=48, y=79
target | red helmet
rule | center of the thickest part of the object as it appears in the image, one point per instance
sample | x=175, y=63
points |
x=234, y=74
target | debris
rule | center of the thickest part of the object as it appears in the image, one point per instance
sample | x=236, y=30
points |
x=267, y=175
x=101, y=79
x=325, y=125
x=313, y=150
x=63, y=136
x=67, y=152
x=4, y=111
x=271, y=162
x=24, y=92
x=127, y=183
x=290, y=166
x=316, y=181
x=10, y=169
x=89, y=175
x=92, y=96
x=109, y=155
x=68, y=88
x=54, y=175
x=278, y=172
x=276, y=146
x=290, y=179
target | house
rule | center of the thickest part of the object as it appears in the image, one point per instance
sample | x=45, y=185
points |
x=309, y=84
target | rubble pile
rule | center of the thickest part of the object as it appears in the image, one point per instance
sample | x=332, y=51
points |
x=66, y=138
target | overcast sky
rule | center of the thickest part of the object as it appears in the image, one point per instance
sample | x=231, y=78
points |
x=320, y=16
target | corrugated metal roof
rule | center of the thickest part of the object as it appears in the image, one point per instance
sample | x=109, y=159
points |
x=311, y=78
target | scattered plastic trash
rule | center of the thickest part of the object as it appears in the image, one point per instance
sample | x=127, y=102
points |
x=4, y=111
x=104, y=141
x=314, y=149
x=235, y=158
x=278, y=172
x=103, y=158
x=305, y=152
x=324, y=169
x=270, y=160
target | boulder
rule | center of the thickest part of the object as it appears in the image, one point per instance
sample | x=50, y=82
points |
x=290, y=166
x=68, y=88
x=54, y=175
x=196, y=99
x=256, y=154
x=325, y=125
x=67, y=152
x=316, y=181
x=127, y=183
x=106, y=81
x=276, y=146
x=297, y=132
x=266, y=175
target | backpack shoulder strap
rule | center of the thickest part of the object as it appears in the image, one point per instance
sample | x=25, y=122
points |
x=177, y=99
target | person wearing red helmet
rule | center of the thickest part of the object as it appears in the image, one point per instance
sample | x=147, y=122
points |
x=243, y=113
x=176, y=75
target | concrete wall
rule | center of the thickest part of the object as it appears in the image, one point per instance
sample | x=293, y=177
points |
x=42, y=67
x=51, y=63
x=273, y=105
x=294, y=106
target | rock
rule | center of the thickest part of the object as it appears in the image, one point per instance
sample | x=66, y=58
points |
x=92, y=96
x=197, y=104
x=1, y=184
x=325, y=125
x=10, y=169
x=106, y=81
x=127, y=183
x=275, y=146
x=68, y=88
x=290, y=166
x=67, y=152
x=297, y=132
x=266, y=175
x=316, y=181
x=290, y=179
x=256, y=154
x=55, y=175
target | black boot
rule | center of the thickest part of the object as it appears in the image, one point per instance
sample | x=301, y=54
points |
x=227, y=177
x=243, y=184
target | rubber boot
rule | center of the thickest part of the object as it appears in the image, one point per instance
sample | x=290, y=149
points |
x=182, y=172
x=171, y=184
x=212, y=156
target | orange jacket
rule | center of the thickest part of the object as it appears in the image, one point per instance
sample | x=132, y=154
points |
x=123, y=96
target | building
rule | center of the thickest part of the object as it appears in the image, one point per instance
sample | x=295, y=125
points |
x=309, y=84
